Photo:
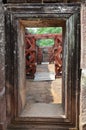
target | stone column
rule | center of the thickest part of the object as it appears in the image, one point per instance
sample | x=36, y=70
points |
x=83, y=67
x=2, y=71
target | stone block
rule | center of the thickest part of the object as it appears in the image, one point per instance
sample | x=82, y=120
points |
x=2, y=71
x=83, y=99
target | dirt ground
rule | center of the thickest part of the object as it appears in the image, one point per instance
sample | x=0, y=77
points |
x=44, y=98
x=44, y=91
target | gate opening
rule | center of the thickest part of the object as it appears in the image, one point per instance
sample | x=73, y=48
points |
x=21, y=111
x=43, y=55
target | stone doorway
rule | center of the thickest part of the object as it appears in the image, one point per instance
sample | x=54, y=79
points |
x=19, y=17
x=39, y=54
x=44, y=87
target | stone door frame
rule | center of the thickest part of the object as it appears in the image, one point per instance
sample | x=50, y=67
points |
x=17, y=17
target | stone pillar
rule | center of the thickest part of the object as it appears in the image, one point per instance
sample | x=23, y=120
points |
x=83, y=67
x=2, y=71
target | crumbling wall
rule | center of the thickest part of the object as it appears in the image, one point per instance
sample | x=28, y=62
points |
x=2, y=71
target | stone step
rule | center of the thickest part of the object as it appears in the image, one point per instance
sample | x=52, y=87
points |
x=42, y=76
x=45, y=72
x=45, y=68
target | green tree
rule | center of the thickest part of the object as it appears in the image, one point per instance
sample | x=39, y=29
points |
x=45, y=42
x=45, y=30
x=50, y=30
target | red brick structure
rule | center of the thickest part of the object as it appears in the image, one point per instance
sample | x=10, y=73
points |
x=30, y=54
x=34, y=53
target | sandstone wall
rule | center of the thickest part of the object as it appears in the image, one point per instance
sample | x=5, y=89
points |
x=83, y=67
x=2, y=71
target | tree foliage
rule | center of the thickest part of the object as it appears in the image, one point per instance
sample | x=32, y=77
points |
x=45, y=42
x=49, y=30
x=45, y=30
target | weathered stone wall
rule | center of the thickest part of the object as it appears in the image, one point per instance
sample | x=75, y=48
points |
x=42, y=1
x=2, y=71
x=83, y=67
x=23, y=1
